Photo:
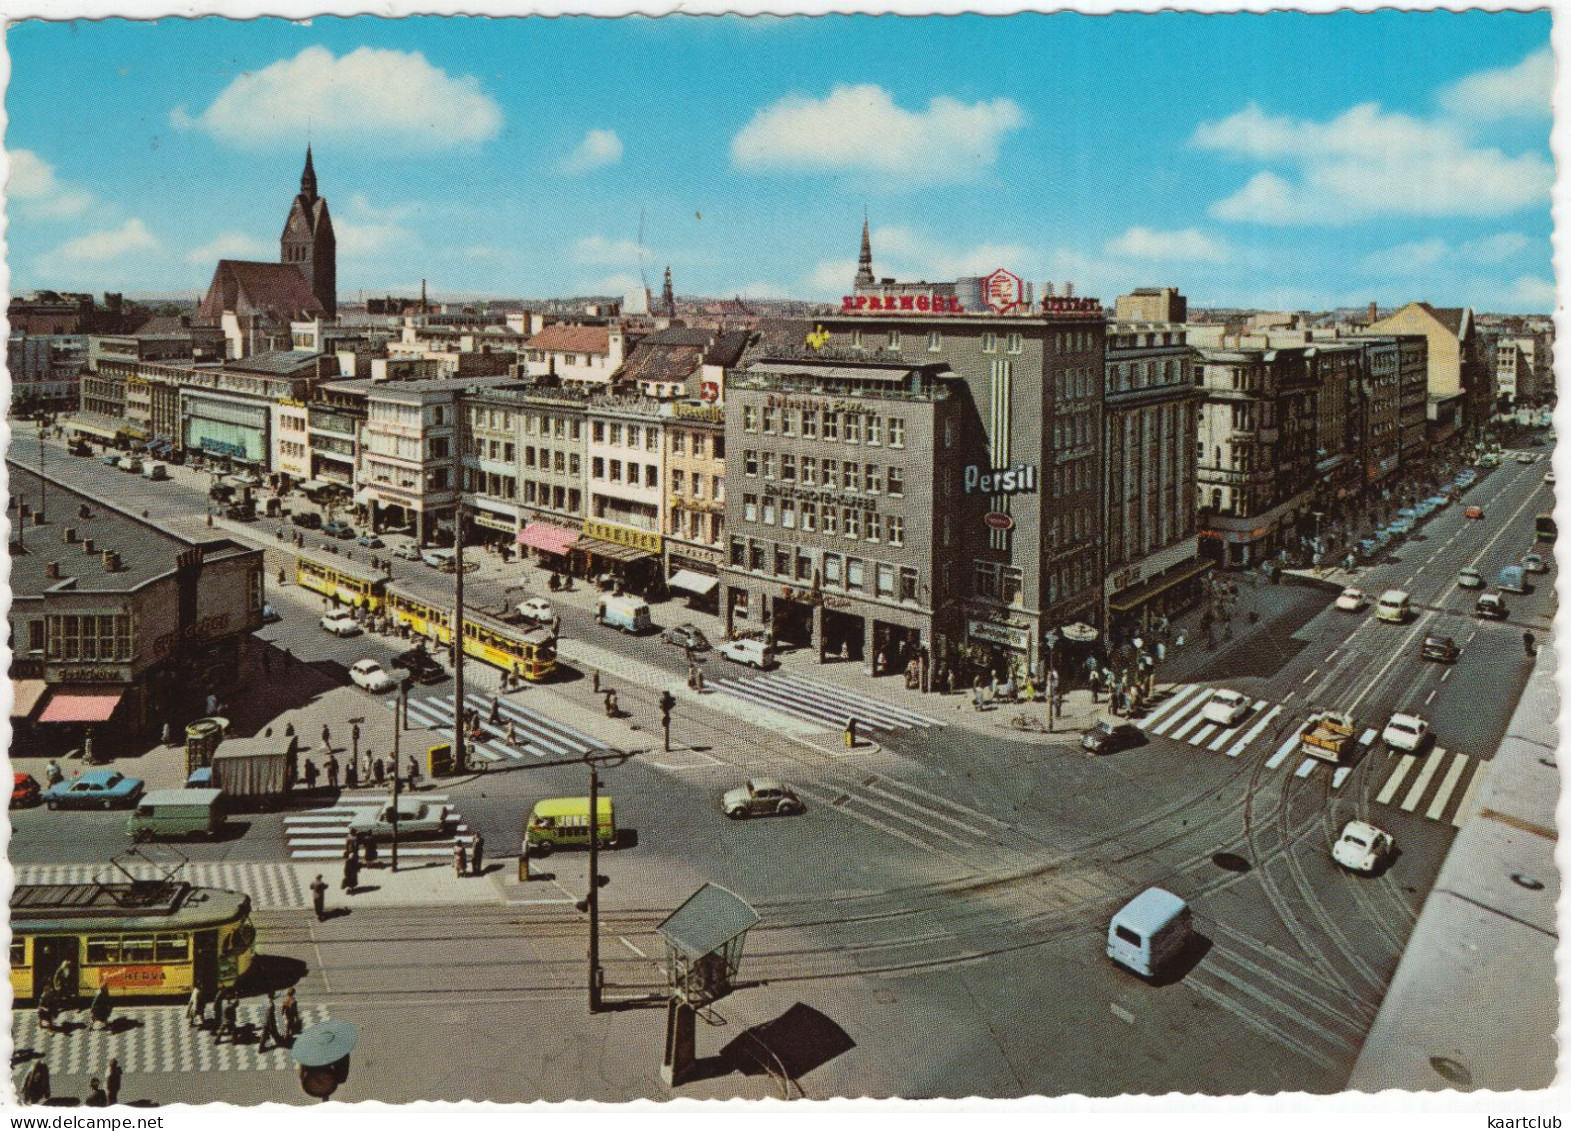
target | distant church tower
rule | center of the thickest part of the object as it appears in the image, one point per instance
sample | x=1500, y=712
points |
x=864, y=261
x=668, y=297
x=308, y=242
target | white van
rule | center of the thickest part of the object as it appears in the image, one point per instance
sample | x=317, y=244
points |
x=1393, y=606
x=155, y=471
x=628, y=613
x=750, y=652
x=1149, y=931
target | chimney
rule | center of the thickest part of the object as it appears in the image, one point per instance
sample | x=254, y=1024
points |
x=1050, y=291
x=1069, y=290
x=87, y=545
x=1374, y=314
x=69, y=534
x=111, y=561
x=52, y=571
x=83, y=511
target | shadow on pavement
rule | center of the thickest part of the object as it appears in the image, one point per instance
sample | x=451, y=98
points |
x=1186, y=960
x=798, y=1041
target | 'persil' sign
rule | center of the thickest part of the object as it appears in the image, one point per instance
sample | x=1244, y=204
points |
x=901, y=304
x=1002, y=480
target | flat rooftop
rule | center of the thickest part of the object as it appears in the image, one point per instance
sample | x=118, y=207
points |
x=146, y=551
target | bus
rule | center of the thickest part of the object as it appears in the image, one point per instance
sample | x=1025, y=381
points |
x=522, y=650
x=355, y=584
x=1545, y=526
x=154, y=938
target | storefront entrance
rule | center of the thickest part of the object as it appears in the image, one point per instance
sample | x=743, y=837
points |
x=792, y=622
x=844, y=635
x=893, y=647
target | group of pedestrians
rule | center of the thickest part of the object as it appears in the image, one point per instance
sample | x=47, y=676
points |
x=279, y=1027
x=104, y=1091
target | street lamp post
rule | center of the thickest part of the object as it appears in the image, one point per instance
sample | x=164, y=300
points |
x=593, y=898
x=400, y=716
x=1050, y=638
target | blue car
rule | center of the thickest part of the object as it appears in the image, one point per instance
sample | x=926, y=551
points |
x=96, y=789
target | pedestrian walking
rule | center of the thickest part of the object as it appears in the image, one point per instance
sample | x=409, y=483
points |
x=512, y=733
x=1529, y=642
x=332, y=771
x=168, y=735
x=310, y=773
x=290, y=1011
x=196, y=1009
x=35, y=1085
x=496, y=711
x=460, y=859
x=99, y=1008
x=379, y=771
x=352, y=773
x=232, y=1016
x=351, y=880
x=64, y=980
x=414, y=774
x=319, y=897
x=327, y=739
x=112, y=1081
x=351, y=844
x=477, y=855
x=46, y=1011
x=96, y=1096
x=370, y=851
x=1095, y=680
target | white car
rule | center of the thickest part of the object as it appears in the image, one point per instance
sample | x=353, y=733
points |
x=1352, y=601
x=1470, y=578
x=1362, y=847
x=1535, y=563
x=1549, y=479
x=415, y=819
x=372, y=676
x=537, y=609
x=1226, y=708
x=340, y=622
x=1405, y=732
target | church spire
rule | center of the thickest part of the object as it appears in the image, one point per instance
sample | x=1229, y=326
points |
x=668, y=297
x=864, y=262
x=308, y=178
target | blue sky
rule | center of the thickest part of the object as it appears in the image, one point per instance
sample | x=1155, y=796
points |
x=1282, y=160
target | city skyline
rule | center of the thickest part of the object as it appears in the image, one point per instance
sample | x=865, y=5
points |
x=1276, y=186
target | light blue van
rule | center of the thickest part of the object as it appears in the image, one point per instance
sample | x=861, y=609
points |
x=630, y=614
x=1149, y=931
x=1513, y=579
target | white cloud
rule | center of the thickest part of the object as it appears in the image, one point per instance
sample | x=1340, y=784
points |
x=106, y=245
x=859, y=130
x=1422, y=255
x=598, y=149
x=830, y=277
x=1368, y=163
x=616, y=284
x=597, y=251
x=364, y=230
x=38, y=192
x=914, y=256
x=1185, y=245
x=1523, y=90
x=231, y=245
x=1532, y=295
x=368, y=99
x=1496, y=248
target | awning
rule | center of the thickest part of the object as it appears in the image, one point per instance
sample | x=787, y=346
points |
x=548, y=537
x=93, y=429
x=1140, y=594
x=81, y=705
x=612, y=551
x=697, y=583
x=25, y=694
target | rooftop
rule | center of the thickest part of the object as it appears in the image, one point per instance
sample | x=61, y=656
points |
x=146, y=551
x=278, y=363
x=564, y=338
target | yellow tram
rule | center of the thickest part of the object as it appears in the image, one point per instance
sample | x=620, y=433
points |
x=152, y=938
x=356, y=584
x=519, y=649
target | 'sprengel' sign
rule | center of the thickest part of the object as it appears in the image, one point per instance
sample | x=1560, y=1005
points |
x=901, y=304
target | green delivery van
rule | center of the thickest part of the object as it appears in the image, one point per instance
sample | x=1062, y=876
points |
x=170, y=813
x=563, y=822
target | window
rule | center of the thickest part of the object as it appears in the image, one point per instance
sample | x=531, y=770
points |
x=907, y=584
x=895, y=530
x=738, y=552
x=886, y=580
x=788, y=422
x=897, y=481
x=1016, y=343
x=854, y=578
x=755, y=557
x=852, y=527
x=749, y=419
x=782, y=562
x=853, y=428
x=769, y=465
x=769, y=422
x=678, y=481
x=831, y=516
x=894, y=339
x=1011, y=582
x=809, y=471
x=831, y=473
x=809, y=516
x=749, y=463
x=652, y=440
x=935, y=341
x=875, y=430
x=788, y=467
x=769, y=511
x=986, y=580
x=832, y=569
x=990, y=342
x=574, y=464
x=788, y=513
x=559, y=462
x=804, y=566
x=810, y=424
x=831, y=425
x=634, y=436
x=616, y=471
x=874, y=526
x=651, y=475
x=717, y=441
x=897, y=432
x=678, y=444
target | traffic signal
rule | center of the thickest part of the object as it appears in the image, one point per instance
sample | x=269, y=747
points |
x=667, y=702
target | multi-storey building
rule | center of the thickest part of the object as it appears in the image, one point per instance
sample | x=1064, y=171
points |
x=1152, y=304
x=1151, y=556
x=337, y=413
x=1459, y=382
x=1524, y=369
x=553, y=470
x=695, y=461
x=1257, y=451
x=493, y=443
x=45, y=371
x=1384, y=409
x=625, y=507
x=292, y=442
x=1342, y=419
x=573, y=354
x=839, y=535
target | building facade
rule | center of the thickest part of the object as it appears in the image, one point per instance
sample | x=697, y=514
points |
x=625, y=506
x=695, y=461
x=1152, y=304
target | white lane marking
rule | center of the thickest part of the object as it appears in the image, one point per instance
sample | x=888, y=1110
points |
x=1334, y=651
x=1464, y=808
x=1471, y=635
x=829, y=799
x=1228, y=732
x=1310, y=676
x=1421, y=782
x=1304, y=770
x=1202, y=734
x=928, y=810
x=631, y=947
x=1394, y=782
x=1340, y=776
x=1289, y=695
x=1445, y=675
x=1282, y=752
x=1367, y=737
x=1254, y=732
x=1430, y=698
x=1437, y=805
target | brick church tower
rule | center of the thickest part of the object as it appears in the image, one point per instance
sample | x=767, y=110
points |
x=308, y=242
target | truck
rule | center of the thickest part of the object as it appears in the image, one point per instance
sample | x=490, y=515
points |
x=1329, y=736
x=252, y=778
x=630, y=614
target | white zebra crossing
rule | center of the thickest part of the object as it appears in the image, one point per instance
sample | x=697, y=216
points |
x=1253, y=732
x=1177, y=697
x=820, y=703
x=533, y=735
x=1181, y=718
x=1457, y=766
x=319, y=834
x=272, y=886
x=151, y=1039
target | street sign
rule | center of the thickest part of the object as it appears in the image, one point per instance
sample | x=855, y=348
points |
x=997, y=521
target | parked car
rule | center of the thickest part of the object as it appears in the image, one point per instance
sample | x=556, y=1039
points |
x=415, y=819
x=760, y=797
x=1226, y=708
x=1473, y=512
x=686, y=636
x=240, y=512
x=1352, y=600
x=1405, y=732
x=1439, y=502
x=1491, y=606
x=370, y=541
x=1441, y=648
x=110, y=459
x=1535, y=563
x=1362, y=847
x=246, y=479
x=421, y=665
x=444, y=560
x=340, y=622
x=1108, y=737
x=751, y=653
x=372, y=676
x=220, y=492
x=339, y=529
x=1549, y=479
x=1526, y=457
x=1469, y=578
x=536, y=609
x=409, y=553
x=25, y=791
x=1368, y=547
x=308, y=520
x=96, y=789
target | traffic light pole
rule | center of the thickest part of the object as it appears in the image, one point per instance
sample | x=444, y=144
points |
x=594, y=888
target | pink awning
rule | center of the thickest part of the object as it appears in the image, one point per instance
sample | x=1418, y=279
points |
x=548, y=537
x=68, y=706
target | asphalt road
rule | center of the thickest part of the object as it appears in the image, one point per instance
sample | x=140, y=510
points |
x=970, y=876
